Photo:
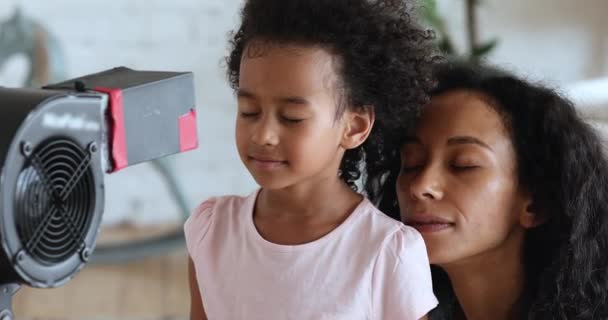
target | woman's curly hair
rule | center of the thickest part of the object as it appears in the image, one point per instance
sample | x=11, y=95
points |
x=561, y=162
x=384, y=59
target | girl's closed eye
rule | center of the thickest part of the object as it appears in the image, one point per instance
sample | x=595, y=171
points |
x=246, y=110
x=294, y=113
x=292, y=119
x=248, y=114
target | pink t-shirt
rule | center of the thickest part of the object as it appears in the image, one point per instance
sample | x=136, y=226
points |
x=369, y=267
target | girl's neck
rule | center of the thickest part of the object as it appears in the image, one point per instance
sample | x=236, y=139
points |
x=299, y=215
x=489, y=286
x=307, y=199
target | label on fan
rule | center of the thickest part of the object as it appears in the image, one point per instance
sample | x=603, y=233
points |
x=69, y=121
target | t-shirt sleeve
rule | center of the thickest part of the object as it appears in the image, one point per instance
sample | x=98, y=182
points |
x=402, y=286
x=197, y=225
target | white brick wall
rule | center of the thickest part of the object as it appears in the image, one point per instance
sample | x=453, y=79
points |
x=556, y=39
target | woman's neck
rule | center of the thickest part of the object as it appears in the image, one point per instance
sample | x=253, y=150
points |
x=489, y=286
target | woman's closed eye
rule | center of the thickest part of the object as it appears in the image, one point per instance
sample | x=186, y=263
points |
x=411, y=167
x=465, y=165
x=411, y=161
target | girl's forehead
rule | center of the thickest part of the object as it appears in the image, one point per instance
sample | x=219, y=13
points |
x=288, y=68
x=311, y=55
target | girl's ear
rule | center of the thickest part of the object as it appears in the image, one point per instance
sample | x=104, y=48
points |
x=358, y=125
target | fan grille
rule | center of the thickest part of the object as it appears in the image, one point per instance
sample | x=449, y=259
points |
x=54, y=200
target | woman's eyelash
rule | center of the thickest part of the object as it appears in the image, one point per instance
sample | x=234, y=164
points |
x=464, y=167
x=410, y=168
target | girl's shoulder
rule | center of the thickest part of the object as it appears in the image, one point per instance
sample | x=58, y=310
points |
x=207, y=214
x=396, y=235
x=401, y=270
x=227, y=203
x=406, y=242
x=391, y=238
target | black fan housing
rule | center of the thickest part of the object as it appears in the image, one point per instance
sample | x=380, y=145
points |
x=51, y=188
x=57, y=143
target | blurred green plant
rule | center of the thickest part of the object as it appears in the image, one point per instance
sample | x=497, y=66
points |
x=476, y=50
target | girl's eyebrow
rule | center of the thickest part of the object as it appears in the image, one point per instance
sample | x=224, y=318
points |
x=243, y=93
x=294, y=100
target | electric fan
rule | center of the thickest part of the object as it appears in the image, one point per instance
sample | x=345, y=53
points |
x=56, y=143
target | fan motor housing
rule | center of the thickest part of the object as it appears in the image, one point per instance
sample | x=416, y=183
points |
x=57, y=143
x=51, y=183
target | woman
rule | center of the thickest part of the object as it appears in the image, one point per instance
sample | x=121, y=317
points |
x=509, y=188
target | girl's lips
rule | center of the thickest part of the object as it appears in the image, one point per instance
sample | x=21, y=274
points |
x=266, y=163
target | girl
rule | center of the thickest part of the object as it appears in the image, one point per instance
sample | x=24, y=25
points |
x=509, y=188
x=316, y=82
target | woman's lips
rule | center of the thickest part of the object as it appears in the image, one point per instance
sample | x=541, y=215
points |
x=429, y=223
x=430, y=226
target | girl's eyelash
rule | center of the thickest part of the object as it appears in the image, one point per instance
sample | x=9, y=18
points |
x=291, y=120
x=283, y=118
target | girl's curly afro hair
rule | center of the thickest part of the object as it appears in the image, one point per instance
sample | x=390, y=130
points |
x=385, y=59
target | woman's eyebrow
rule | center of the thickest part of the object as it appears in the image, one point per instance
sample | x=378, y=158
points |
x=468, y=140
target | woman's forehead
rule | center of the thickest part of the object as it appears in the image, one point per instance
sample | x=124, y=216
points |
x=460, y=113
